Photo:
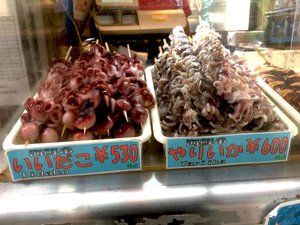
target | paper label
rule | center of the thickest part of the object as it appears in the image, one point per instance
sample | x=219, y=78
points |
x=13, y=76
x=75, y=160
x=223, y=150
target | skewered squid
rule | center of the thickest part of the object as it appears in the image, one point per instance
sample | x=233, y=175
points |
x=201, y=87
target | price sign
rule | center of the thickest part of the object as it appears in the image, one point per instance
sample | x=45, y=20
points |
x=227, y=149
x=75, y=160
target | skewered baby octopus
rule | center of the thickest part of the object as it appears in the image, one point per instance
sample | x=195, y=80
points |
x=87, y=98
x=202, y=88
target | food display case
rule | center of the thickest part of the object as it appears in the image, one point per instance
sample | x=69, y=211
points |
x=149, y=112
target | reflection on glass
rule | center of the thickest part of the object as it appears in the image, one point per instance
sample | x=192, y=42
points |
x=255, y=187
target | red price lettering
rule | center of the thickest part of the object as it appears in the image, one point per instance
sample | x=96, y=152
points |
x=86, y=157
x=275, y=146
x=134, y=153
x=124, y=148
x=128, y=153
x=17, y=166
x=200, y=152
x=28, y=163
x=115, y=153
x=266, y=147
x=233, y=150
x=210, y=154
x=221, y=149
x=283, y=145
x=101, y=154
x=192, y=152
x=252, y=146
x=49, y=162
x=177, y=152
x=63, y=162
x=38, y=166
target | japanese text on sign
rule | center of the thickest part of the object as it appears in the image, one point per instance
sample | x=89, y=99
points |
x=80, y=159
x=229, y=149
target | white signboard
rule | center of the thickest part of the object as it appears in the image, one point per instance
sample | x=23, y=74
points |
x=13, y=77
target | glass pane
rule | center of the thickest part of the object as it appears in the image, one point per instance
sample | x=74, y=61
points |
x=36, y=32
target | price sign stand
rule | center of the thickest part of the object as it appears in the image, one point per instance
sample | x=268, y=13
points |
x=221, y=150
x=71, y=160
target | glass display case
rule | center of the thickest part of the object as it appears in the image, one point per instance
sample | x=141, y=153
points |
x=111, y=65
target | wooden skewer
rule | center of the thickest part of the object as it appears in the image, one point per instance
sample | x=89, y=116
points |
x=97, y=41
x=68, y=53
x=165, y=42
x=199, y=19
x=108, y=132
x=107, y=47
x=160, y=49
x=125, y=114
x=84, y=130
x=190, y=39
x=70, y=58
x=63, y=130
x=263, y=56
x=27, y=142
x=128, y=49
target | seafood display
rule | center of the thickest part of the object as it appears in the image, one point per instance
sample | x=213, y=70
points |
x=285, y=82
x=202, y=88
x=98, y=95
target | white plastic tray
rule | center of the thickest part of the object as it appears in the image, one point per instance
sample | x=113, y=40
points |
x=15, y=149
x=13, y=141
x=283, y=104
x=160, y=137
